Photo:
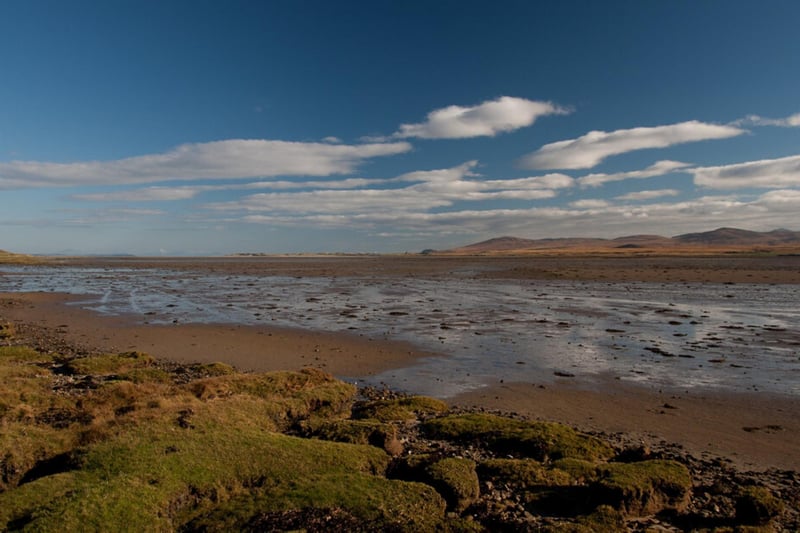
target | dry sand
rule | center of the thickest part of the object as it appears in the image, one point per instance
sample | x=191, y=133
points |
x=752, y=430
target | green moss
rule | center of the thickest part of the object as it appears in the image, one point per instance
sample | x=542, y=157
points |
x=22, y=354
x=579, y=470
x=100, y=365
x=216, y=369
x=456, y=480
x=378, y=503
x=372, y=432
x=136, y=479
x=399, y=409
x=646, y=487
x=523, y=473
x=6, y=331
x=25, y=445
x=757, y=506
x=26, y=390
x=538, y=440
x=604, y=518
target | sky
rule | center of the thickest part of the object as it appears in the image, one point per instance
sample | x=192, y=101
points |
x=192, y=127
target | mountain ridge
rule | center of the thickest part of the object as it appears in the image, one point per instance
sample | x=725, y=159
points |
x=717, y=238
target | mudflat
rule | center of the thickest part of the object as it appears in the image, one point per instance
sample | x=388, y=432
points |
x=751, y=429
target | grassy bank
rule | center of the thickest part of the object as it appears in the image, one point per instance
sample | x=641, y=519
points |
x=124, y=442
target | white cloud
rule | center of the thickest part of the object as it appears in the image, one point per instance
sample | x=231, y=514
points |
x=213, y=160
x=659, y=168
x=148, y=194
x=548, y=181
x=648, y=195
x=792, y=121
x=591, y=149
x=589, y=204
x=156, y=194
x=586, y=218
x=766, y=173
x=781, y=199
x=408, y=193
x=486, y=119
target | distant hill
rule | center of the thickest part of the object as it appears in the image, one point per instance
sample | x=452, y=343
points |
x=740, y=237
x=8, y=257
x=718, y=238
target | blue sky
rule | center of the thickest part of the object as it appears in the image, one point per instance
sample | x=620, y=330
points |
x=198, y=127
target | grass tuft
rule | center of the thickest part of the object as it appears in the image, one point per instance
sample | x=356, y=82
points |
x=400, y=409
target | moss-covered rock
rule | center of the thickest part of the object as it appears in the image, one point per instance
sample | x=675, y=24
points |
x=292, y=396
x=372, y=432
x=525, y=474
x=215, y=369
x=456, y=480
x=23, y=354
x=103, y=365
x=645, y=488
x=757, y=506
x=542, y=441
x=400, y=409
x=6, y=330
x=579, y=470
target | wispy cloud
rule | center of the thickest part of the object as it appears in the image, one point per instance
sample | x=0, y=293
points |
x=408, y=193
x=658, y=168
x=792, y=121
x=587, y=218
x=591, y=149
x=648, y=195
x=148, y=194
x=766, y=173
x=202, y=161
x=186, y=192
x=589, y=203
x=486, y=119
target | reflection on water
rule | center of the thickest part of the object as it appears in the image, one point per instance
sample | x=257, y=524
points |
x=735, y=337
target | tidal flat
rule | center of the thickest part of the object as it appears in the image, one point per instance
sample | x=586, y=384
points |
x=493, y=321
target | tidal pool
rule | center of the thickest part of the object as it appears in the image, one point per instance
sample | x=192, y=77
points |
x=743, y=337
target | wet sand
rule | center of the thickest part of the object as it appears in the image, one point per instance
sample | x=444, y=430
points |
x=253, y=348
x=753, y=431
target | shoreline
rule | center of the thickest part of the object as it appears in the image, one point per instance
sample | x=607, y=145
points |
x=753, y=431
x=628, y=266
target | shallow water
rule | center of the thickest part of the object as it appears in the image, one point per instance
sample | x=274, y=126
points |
x=727, y=337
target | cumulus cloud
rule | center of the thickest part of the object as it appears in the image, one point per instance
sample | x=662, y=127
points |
x=214, y=160
x=486, y=119
x=658, y=168
x=648, y=195
x=766, y=173
x=792, y=121
x=591, y=149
